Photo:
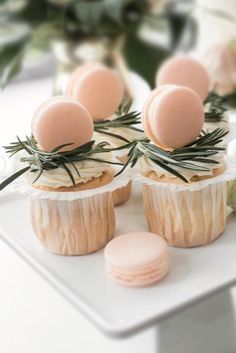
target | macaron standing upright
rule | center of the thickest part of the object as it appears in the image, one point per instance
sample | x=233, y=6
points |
x=62, y=120
x=184, y=71
x=173, y=116
x=137, y=259
x=98, y=88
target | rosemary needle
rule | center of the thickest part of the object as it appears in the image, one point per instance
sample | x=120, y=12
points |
x=124, y=119
x=187, y=157
x=216, y=107
x=39, y=160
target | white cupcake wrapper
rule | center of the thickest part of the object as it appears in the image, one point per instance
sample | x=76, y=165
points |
x=67, y=228
x=23, y=187
x=227, y=175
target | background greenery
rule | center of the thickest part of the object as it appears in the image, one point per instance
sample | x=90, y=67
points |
x=77, y=20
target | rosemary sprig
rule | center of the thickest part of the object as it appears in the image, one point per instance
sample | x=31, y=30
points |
x=39, y=160
x=216, y=107
x=187, y=157
x=124, y=119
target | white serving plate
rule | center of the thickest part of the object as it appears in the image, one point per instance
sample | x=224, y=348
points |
x=118, y=311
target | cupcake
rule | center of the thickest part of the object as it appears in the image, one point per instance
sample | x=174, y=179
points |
x=101, y=91
x=189, y=72
x=69, y=179
x=183, y=170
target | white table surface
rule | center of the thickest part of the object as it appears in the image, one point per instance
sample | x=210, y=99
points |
x=195, y=274
x=45, y=328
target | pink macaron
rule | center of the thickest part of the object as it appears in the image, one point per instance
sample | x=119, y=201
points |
x=62, y=120
x=184, y=71
x=173, y=116
x=137, y=259
x=80, y=70
x=98, y=88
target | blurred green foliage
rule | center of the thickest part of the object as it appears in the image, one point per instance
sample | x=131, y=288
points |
x=75, y=20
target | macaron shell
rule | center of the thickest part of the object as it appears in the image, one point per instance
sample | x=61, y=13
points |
x=137, y=259
x=178, y=117
x=61, y=121
x=145, y=115
x=100, y=91
x=76, y=74
x=185, y=71
x=44, y=106
x=173, y=116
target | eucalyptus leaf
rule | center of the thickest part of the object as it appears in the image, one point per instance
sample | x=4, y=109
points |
x=114, y=9
x=89, y=12
x=11, y=70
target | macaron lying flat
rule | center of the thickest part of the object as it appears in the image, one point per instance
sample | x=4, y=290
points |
x=98, y=88
x=62, y=120
x=173, y=116
x=137, y=259
x=184, y=71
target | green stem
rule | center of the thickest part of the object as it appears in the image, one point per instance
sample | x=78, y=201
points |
x=13, y=177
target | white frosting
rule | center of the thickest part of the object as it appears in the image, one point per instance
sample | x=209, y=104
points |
x=146, y=166
x=87, y=169
x=222, y=124
x=128, y=134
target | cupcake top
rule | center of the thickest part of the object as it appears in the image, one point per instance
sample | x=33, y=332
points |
x=61, y=152
x=192, y=170
x=82, y=172
x=176, y=148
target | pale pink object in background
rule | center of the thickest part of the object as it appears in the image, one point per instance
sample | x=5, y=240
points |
x=184, y=71
x=62, y=120
x=220, y=62
x=98, y=88
x=173, y=116
x=137, y=259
